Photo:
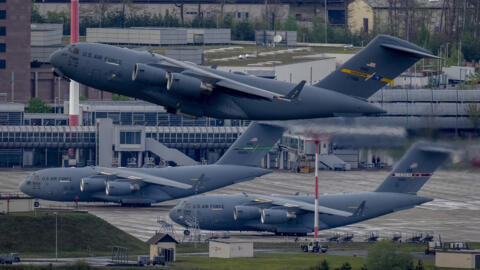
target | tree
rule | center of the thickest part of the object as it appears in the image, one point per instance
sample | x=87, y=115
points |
x=117, y=97
x=384, y=255
x=35, y=14
x=346, y=266
x=290, y=24
x=419, y=265
x=36, y=105
x=323, y=265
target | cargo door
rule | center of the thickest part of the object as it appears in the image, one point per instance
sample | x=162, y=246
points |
x=477, y=261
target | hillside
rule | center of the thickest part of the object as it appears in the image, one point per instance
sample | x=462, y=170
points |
x=82, y=234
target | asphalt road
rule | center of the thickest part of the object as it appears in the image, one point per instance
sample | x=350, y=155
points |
x=454, y=214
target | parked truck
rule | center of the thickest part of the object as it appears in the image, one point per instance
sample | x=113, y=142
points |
x=313, y=246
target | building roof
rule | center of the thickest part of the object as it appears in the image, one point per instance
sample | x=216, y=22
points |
x=161, y=237
x=420, y=3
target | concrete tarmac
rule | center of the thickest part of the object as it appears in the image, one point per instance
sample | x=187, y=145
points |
x=454, y=214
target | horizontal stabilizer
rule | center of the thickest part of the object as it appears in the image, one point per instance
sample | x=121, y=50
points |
x=376, y=65
x=417, y=53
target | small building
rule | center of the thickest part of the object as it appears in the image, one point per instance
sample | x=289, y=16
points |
x=230, y=249
x=191, y=55
x=467, y=259
x=162, y=244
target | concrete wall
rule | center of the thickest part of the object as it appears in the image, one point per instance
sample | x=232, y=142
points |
x=455, y=259
x=23, y=205
x=218, y=249
x=190, y=55
x=357, y=11
x=104, y=142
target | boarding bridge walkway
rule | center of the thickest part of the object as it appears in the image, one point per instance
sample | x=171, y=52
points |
x=333, y=162
x=169, y=154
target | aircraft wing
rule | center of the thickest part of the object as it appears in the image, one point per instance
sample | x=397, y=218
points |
x=139, y=176
x=289, y=203
x=218, y=80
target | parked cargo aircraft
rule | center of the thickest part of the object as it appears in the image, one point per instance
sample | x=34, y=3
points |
x=295, y=214
x=189, y=89
x=144, y=186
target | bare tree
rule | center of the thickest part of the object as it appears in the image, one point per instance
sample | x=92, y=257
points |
x=181, y=5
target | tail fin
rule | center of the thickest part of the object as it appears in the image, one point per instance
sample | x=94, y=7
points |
x=252, y=145
x=381, y=61
x=415, y=168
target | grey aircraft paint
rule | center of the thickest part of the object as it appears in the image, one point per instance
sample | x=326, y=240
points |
x=186, y=88
x=237, y=165
x=279, y=214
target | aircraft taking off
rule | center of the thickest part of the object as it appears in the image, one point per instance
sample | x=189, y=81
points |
x=294, y=214
x=189, y=89
x=144, y=186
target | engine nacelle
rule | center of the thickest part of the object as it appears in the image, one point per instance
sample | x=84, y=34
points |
x=92, y=184
x=276, y=216
x=185, y=85
x=149, y=75
x=120, y=188
x=242, y=212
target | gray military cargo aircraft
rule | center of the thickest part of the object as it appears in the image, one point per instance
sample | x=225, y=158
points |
x=144, y=186
x=295, y=214
x=189, y=89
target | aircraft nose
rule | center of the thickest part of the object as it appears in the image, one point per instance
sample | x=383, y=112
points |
x=55, y=58
x=23, y=186
x=175, y=214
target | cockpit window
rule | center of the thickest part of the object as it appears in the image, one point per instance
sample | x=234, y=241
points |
x=73, y=49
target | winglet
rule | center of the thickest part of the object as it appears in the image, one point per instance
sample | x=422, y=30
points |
x=294, y=93
x=360, y=208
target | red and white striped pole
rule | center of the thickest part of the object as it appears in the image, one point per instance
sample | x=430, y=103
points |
x=74, y=87
x=316, y=191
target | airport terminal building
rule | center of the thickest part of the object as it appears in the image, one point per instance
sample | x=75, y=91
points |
x=137, y=133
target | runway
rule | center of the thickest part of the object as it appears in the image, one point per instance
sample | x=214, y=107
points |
x=454, y=214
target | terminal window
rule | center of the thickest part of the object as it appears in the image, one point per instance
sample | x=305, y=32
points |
x=130, y=137
x=3, y=64
x=3, y=31
x=3, y=47
x=3, y=14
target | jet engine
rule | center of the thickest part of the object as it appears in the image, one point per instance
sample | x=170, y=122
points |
x=242, y=212
x=92, y=184
x=120, y=188
x=185, y=85
x=275, y=216
x=149, y=75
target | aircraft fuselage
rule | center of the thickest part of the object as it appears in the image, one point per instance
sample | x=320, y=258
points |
x=216, y=212
x=63, y=184
x=111, y=68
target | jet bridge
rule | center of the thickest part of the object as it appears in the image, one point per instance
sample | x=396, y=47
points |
x=333, y=162
x=170, y=154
